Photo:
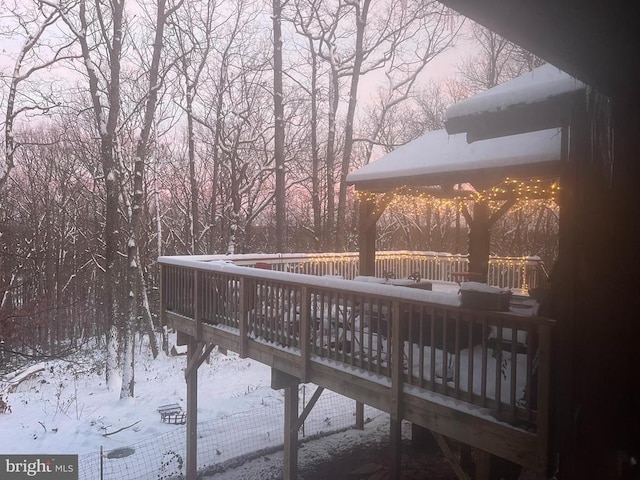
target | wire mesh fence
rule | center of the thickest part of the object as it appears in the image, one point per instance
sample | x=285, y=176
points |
x=221, y=442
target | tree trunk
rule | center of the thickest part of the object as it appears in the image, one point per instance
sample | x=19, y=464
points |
x=361, y=23
x=281, y=226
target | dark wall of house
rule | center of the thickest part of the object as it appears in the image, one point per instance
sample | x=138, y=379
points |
x=596, y=379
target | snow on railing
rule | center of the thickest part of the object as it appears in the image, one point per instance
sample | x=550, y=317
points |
x=507, y=272
x=490, y=359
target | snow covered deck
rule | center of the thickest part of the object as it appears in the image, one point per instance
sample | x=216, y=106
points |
x=480, y=377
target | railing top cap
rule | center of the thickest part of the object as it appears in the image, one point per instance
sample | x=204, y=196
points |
x=289, y=257
x=390, y=292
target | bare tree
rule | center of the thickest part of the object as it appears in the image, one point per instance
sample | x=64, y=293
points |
x=497, y=61
x=347, y=41
x=278, y=108
x=29, y=23
x=195, y=32
x=135, y=278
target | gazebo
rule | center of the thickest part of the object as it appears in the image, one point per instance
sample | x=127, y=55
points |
x=595, y=384
x=496, y=172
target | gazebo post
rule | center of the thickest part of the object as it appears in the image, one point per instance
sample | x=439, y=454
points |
x=367, y=238
x=480, y=240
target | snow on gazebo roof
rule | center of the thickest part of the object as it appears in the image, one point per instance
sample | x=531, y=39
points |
x=437, y=158
x=537, y=85
x=535, y=100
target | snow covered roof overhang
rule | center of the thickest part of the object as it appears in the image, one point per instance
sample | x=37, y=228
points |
x=537, y=100
x=596, y=42
x=437, y=158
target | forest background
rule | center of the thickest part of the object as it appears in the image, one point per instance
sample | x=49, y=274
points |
x=133, y=129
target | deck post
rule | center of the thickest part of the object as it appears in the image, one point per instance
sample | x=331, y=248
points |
x=282, y=380
x=397, y=366
x=483, y=465
x=192, y=411
x=359, y=416
x=290, y=432
x=246, y=287
x=197, y=303
x=305, y=335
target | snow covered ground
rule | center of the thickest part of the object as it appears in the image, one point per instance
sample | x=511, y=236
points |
x=64, y=407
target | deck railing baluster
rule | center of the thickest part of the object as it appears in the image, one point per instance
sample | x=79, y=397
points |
x=498, y=372
x=432, y=337
x=514, y=370
x=484, y=370
x=357, y=329
x=456, y=365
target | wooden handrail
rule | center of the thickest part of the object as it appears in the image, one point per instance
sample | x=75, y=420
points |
x=447, y=349
x=510, y=272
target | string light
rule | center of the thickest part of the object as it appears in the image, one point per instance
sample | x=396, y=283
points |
x=535, y=192
x=346, y=263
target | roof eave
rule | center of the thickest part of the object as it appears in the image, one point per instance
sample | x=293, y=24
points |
x=521, y=118
x=479, y=178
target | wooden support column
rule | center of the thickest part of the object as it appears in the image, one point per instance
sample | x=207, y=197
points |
x=480, y=240
x=367, y=238
x=281, y=380
x=195, y=357
x=483, y=465
x=192, y=409
x=359, y=416
x=397, y=371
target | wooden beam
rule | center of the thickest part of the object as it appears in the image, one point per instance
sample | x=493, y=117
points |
x=196, y=360
x=192, y=411
x=307, y=409
x=280, y=379
x=502, y=440
x=504, y=208
x=450, y=456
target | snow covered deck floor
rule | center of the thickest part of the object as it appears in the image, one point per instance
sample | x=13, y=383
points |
x=479, y=377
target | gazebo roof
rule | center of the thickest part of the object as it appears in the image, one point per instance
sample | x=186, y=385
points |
x=437, y=158
x=535, y=100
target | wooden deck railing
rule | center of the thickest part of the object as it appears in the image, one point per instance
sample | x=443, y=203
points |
x=497, y=361
x=507, y=272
